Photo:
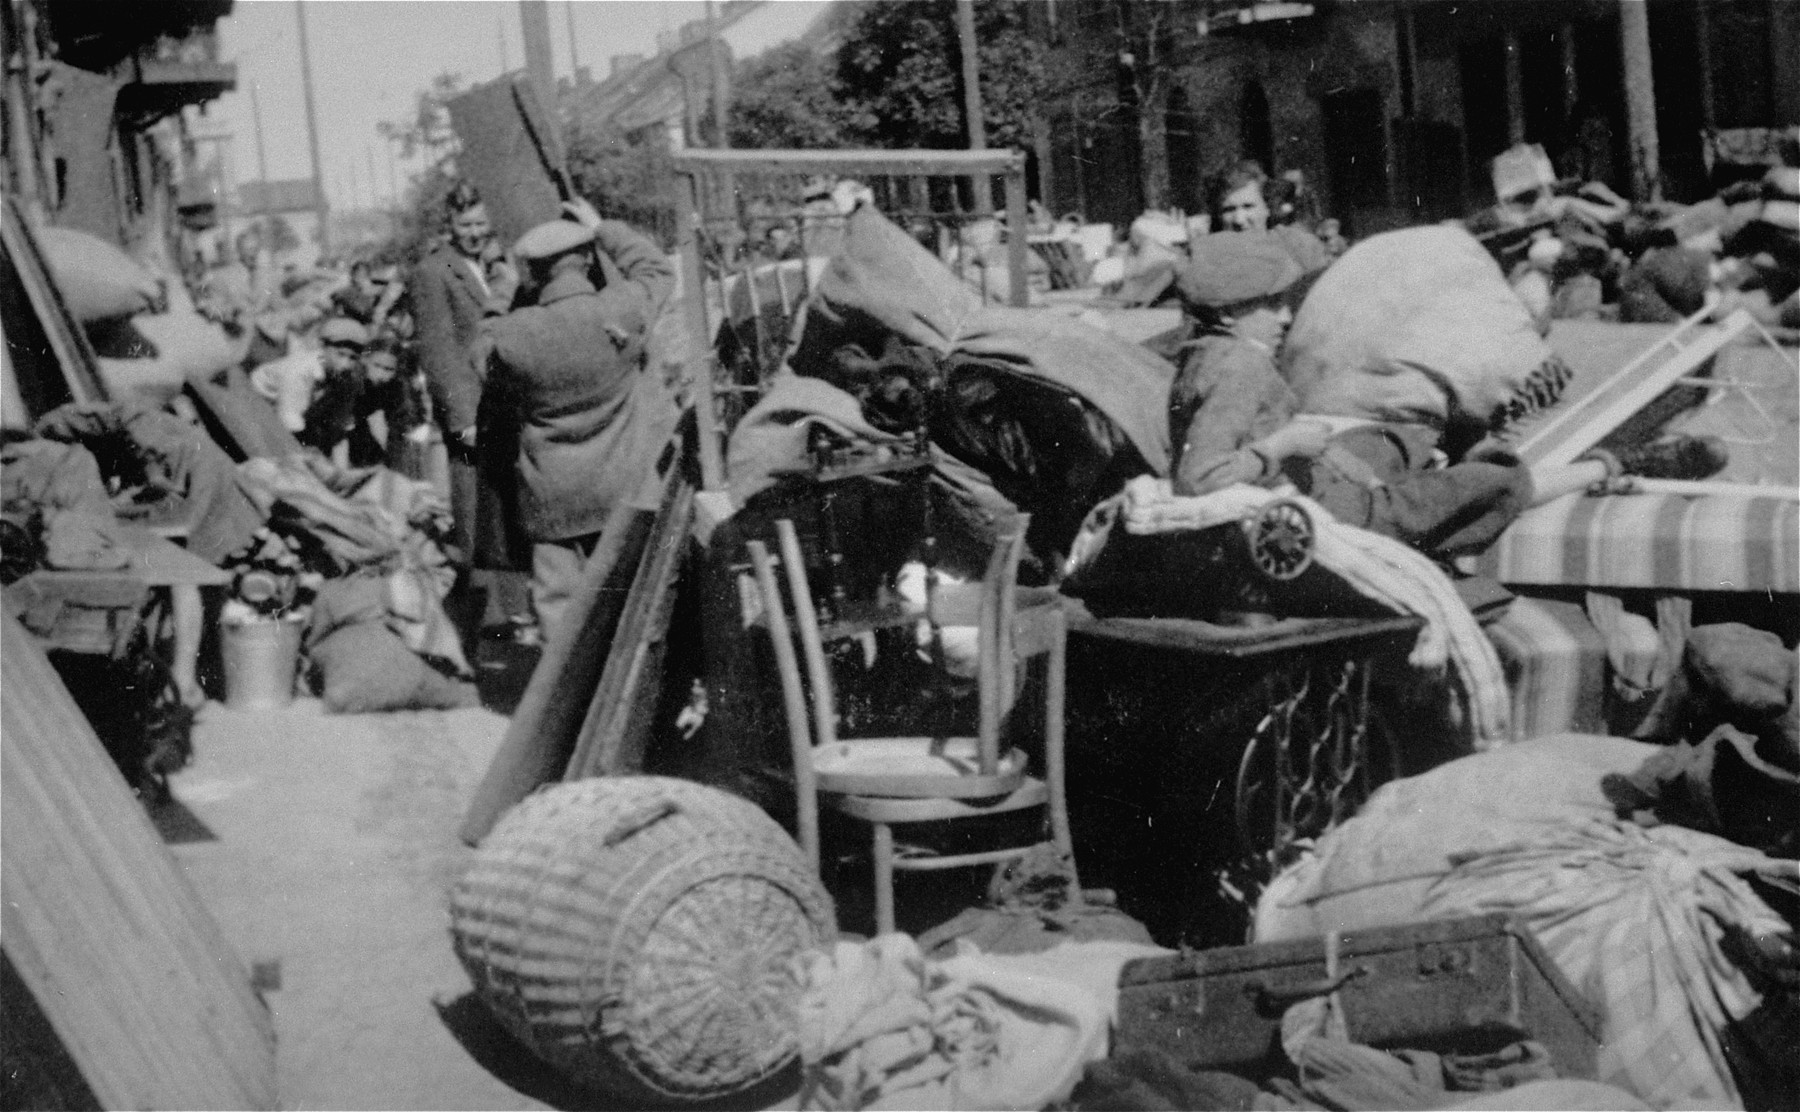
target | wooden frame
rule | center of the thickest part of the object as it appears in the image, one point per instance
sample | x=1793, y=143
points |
x=1568, y=432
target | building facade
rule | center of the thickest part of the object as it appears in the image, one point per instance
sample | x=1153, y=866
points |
x=1392, y=109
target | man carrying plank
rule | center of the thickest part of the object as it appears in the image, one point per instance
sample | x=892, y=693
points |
x=570, y=365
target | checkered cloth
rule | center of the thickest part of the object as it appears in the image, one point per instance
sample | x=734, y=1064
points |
x=1663, y=541
x=1635, y=917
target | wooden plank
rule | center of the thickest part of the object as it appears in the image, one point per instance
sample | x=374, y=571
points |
x=849, y=162
x=1571, y=429
x=617, y=729
x=113, y=946
x=541, y=737
x=500, y=155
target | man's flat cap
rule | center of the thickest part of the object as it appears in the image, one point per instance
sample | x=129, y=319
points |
x=1227, y=268
x=343, y=330
x=552, y=238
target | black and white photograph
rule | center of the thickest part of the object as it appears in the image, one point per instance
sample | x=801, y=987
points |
x=900, y=554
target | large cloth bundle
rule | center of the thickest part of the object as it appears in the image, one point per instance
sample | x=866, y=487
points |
x=642, y=934
x=373, y=520
x=1055, y=412
x=1637, y=919
x=1418, y=326
x=97, y=280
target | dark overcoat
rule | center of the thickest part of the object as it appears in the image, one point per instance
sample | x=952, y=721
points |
x=449, y=304
x=591, y=419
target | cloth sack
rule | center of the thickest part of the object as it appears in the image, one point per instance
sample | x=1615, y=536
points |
x=1418, y=326
x=364, y=668
x=1635, y=918
x=98, y=281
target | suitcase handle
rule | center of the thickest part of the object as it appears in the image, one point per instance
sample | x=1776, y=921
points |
x=1278, y=998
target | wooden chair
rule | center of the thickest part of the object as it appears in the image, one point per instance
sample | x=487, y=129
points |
x=892, y=781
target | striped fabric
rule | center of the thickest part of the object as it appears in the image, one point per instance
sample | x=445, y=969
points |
x=1662, y=541
x=1555, y=665
x=1633, y=917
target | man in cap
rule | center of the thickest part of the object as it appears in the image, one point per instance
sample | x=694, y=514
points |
x=1229, y=408
x=332, y=416
x=314, y=392
x=591, y=420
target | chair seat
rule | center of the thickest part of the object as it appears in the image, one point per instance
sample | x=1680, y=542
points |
x=907, y=767
x=1032, y=793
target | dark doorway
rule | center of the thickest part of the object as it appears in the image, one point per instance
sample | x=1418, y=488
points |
x=1483, y=66
x=1256, y=138
x=1356, y=159
x=1183, y=139
x=1675, y=63
x=1541, y=73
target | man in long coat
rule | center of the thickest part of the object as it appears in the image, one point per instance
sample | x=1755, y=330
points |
x=592, y=420
x=453, y=290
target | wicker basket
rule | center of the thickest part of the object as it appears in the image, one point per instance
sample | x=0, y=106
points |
x=638, y=934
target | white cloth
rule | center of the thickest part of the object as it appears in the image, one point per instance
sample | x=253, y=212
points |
x=1378, y=567
x=289, y=382
x=881, y=1026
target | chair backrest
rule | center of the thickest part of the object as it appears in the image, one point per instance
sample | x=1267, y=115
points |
x=792, y=615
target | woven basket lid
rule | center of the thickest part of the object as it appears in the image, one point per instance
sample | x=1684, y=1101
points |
x=639, y=934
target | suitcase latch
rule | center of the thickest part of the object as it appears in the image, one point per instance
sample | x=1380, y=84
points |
x=1440, y=960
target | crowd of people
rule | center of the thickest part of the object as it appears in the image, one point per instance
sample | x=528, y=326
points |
x=507, y=374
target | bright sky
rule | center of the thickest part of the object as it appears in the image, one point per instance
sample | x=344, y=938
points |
x=371, y=57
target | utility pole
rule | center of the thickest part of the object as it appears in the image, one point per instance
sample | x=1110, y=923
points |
x=971, y=78
x=312, y=131
x=262, y=155
x=393, y=169
x=374, y=181
x=1640, y=100
x=534, y=26
x=574, y=59
x=720, y=80
x=971, y=75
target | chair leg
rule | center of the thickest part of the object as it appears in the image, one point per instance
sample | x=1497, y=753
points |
x=1055, y=772
x=884, y=878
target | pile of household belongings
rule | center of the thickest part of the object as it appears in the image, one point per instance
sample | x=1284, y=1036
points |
x=1025, y=410
x=1577, y=249
x=87, y=467
x=1662, y=880
x=1041, y=413
x=378, y=637
x=1611, y=853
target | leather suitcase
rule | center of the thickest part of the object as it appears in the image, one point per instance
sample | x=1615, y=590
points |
x=1449, y=985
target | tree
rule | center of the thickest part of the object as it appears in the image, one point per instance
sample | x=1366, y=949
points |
x=787, y=97
x=428, y=128
x=898, y=74
x=625, y=175
x=420, y=215
x=1149, y=40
